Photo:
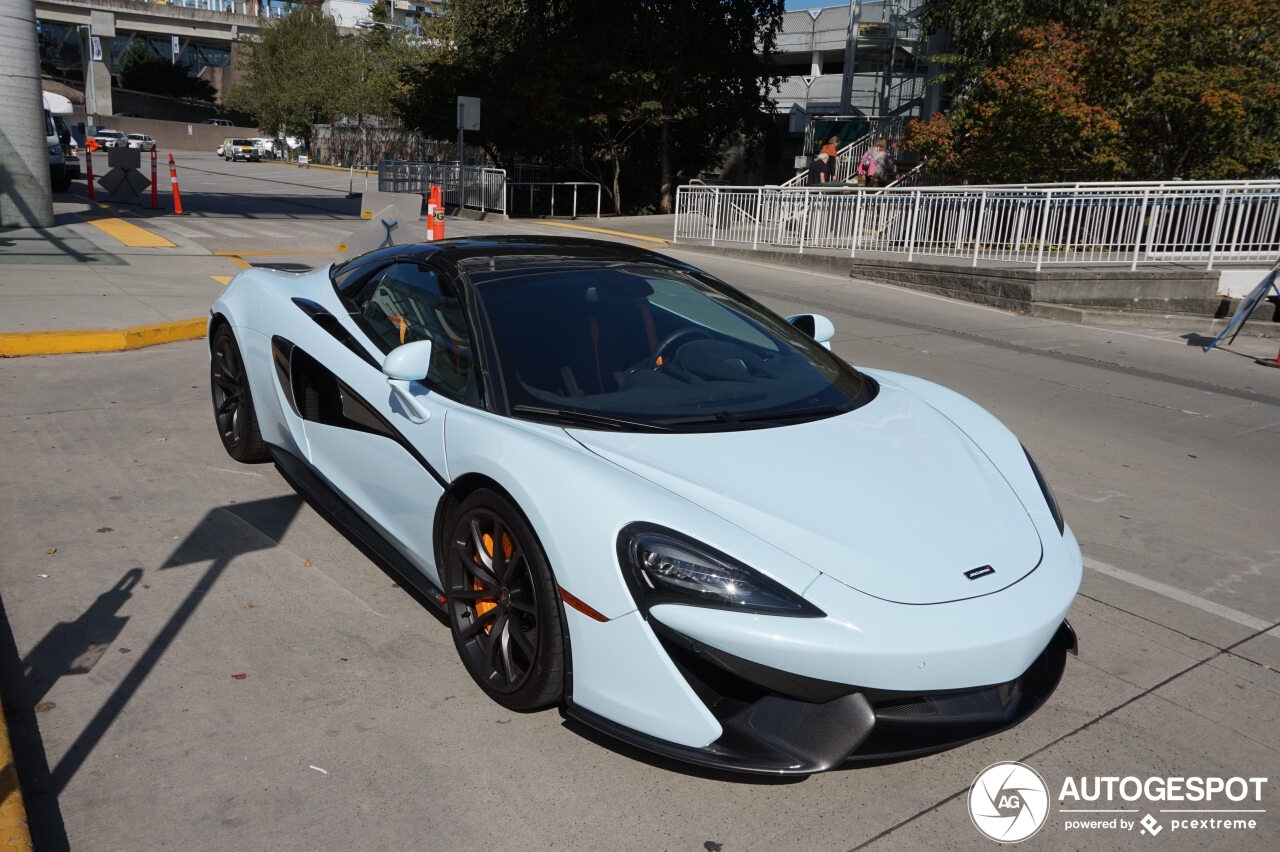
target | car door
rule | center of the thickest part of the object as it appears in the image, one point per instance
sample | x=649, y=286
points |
x=385, y=455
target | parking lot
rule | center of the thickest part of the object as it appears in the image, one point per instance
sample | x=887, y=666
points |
x=195, y=659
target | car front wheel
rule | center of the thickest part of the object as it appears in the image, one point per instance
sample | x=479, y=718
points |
x=503, y=605
x=232, y=403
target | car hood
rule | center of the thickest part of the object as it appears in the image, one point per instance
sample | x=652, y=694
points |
x=891, y=499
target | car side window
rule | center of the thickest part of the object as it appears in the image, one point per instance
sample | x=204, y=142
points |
x=411, y=302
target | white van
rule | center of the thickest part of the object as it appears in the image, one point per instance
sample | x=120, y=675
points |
x=59, y=175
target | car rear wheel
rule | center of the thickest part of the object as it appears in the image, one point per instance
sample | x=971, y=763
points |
x=503, y=607
x=232, y=402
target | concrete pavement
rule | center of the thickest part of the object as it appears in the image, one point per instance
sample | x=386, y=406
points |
x=203, y=657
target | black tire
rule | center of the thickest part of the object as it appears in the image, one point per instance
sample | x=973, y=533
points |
x=232, y=403
x=504, y=608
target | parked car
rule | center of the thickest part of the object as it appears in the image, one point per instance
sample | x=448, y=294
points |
x=111, y=139
x=240, y=149
x=637, y=493
x=221, y=122
x=142, y=142
x=266, y=147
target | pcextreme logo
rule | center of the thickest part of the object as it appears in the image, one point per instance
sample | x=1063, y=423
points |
x=1009, y=802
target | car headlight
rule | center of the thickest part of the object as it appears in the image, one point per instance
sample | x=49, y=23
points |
x=663, y=566
x=1047, y=492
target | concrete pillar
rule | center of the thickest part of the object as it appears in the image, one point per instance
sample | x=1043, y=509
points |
x=26, y=199
x=815, y=63
x=97, y=78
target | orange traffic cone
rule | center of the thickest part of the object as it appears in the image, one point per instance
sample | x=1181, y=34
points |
x=435, y=209
x=173, y=179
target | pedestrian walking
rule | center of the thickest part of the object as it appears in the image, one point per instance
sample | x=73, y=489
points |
x=881, y=169
x=818, y=170
x=832, y=156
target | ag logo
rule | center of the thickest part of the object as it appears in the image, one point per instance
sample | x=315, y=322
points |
x=1008, y=802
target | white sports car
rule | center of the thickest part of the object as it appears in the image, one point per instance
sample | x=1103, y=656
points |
x=639, y=495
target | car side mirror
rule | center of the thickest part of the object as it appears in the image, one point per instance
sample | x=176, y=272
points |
x=407, y=363
x=816, y=326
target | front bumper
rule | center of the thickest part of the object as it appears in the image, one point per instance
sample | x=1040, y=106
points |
x=776, y=722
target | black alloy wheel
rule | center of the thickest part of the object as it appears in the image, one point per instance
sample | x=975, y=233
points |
x=232, y=402
x=504, y=610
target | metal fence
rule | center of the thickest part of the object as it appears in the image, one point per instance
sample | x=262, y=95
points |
x=473, y=187
x=1189, y=222
x=538, y=198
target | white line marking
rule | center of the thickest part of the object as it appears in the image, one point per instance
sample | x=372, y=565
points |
x=1213, y=607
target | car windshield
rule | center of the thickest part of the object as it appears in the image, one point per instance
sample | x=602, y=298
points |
x=240, y=142
x=652, y=347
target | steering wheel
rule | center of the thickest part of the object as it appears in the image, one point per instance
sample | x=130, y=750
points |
x=670, y=343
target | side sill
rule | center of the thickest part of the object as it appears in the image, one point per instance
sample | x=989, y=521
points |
x=338, y=512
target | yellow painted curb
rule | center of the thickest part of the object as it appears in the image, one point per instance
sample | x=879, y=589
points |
x=641, y=237
x=14, y=833
x=128, y=233
x=111, y=340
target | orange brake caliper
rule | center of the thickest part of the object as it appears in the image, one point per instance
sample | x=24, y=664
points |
x=483, y=606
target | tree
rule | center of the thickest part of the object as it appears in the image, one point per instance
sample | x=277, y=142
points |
x=1105, y=89
x=143, y=71
x=1031, y=119
x=1197, y=84
x=652, y=85
x=301, y=72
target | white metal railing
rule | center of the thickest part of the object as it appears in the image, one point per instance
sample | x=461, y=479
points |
x=545, y=191
x=1185, y=221
x=474, y=187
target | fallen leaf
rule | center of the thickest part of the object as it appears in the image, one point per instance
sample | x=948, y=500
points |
x=241, y=676
x=44, y=706
x=161, y=440
x=51, y=551
x=105, y=529
x=306, y=564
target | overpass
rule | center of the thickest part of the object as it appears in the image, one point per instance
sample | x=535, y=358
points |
x=208, y=39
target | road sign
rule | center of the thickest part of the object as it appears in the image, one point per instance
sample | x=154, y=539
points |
x=468, y=113
x=127, y=158
x=91, y=144
x=124, y=184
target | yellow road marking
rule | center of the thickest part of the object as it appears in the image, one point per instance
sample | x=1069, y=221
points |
x=110, y=340
x=268, y=253
x=640, y=237
x=224, y=280
x=13, y=814
x=128, y=233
